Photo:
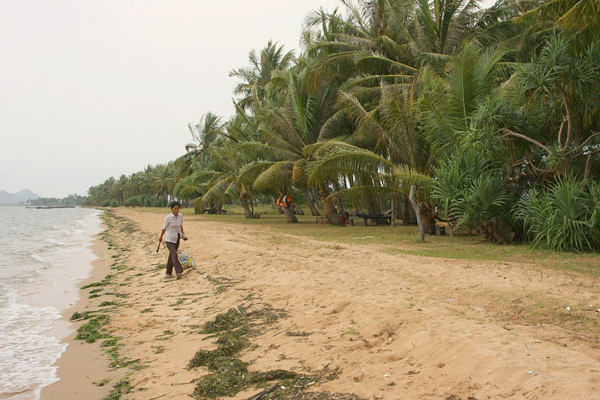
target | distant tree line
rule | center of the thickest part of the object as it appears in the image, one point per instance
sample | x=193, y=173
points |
x=486, y=117
x=72, y=200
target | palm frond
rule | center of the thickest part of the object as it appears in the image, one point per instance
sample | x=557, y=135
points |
x=346, y=163
x=276, y=177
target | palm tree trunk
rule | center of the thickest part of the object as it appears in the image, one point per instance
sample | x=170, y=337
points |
x=289, y=215
x=310, y=203
x=247, y=212
x=406, y=211
x=415, y=205
x=330, y=211
x=337, y=188
x=316, y=196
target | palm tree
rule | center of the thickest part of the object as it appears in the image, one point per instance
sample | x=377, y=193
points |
x=204, y=134
x=285, y=130
x=221, y=178
x=570, y=15
x=450, y=102
x=256, y=78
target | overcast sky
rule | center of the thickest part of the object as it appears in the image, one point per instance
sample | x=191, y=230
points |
x=96, y=88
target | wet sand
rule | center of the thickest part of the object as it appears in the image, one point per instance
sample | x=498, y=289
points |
x=83, y=368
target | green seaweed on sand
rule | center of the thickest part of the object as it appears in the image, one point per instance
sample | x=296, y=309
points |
x=109, y=343
x=232, y=319
x=228, y=344
x=103, y=282
x=121, y=387
x=228, y=374
x=92, y=330
x=84, y=315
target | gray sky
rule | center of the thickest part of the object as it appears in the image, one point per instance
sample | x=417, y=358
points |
x=96, y=88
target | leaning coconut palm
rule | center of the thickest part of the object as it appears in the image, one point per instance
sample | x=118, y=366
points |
x=388, y=130
x=222, y=182
x=300, y=124
x=270, y=177
x=271, y=170
x=285, y=129
x=335, y=160
x=187, y=189
x=388, y=42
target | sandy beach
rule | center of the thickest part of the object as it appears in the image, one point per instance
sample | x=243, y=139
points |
x=368, y=323
x=84, y=368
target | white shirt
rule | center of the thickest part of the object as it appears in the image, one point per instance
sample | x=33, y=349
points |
x=173, y=226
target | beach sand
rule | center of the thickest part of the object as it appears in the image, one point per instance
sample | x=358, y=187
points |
x=83, y=369
x=385, y=325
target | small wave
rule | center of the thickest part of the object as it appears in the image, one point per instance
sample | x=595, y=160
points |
x=26, y=354
x=54, y=241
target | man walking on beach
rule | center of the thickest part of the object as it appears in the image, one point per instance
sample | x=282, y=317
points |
x=174, y=227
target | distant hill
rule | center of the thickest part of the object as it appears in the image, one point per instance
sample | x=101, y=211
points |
x=13, y=199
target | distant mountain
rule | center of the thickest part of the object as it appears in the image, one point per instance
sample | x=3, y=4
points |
x=12, y=199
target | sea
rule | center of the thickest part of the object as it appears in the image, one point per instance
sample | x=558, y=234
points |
x=44, y=254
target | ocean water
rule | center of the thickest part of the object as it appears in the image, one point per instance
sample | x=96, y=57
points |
x=43, y=256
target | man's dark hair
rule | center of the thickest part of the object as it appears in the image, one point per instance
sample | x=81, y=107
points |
x=175, y=203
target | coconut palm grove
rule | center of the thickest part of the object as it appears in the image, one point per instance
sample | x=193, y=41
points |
x=434, y=112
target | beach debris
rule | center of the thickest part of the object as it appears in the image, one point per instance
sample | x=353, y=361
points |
x=263, y=393
x=527, y=346
x=387, y=375
x=534, y=373
x=568, y=308
x=359, y=377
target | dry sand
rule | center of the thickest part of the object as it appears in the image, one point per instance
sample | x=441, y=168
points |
x=393, y=326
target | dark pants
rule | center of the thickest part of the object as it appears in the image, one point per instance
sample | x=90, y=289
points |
x=173, y=259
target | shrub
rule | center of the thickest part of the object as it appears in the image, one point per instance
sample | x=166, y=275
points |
x=158, y=202
x=565, y=217
x=133, y=202
x=474, y=192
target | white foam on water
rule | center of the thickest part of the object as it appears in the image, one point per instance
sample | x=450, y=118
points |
x=28, y=353
x=47, y=254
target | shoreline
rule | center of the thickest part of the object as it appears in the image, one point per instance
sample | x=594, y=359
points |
x=368, y=324
x=83, y=368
